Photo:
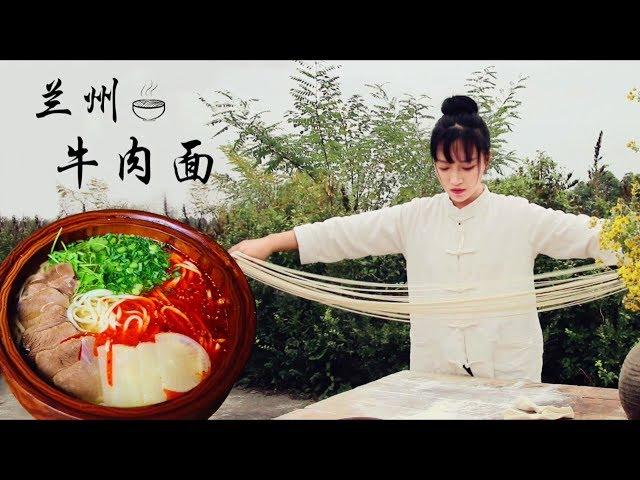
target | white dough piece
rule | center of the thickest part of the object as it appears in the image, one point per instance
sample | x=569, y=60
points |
x=525, y=404
x=525, y=409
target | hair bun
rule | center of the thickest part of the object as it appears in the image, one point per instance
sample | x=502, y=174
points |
x=459, y=104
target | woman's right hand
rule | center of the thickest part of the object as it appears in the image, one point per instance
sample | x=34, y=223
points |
x=260, y=248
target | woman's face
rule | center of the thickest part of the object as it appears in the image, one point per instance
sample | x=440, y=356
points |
x=461, y=180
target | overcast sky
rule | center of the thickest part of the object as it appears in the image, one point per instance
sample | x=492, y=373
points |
x=565, y=105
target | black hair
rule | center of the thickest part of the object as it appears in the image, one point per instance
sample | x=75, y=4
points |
x=460, y=121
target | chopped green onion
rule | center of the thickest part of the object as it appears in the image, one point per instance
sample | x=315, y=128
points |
x=124, y=264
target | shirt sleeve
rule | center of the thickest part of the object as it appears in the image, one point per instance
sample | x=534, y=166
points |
x=565, y=235
x=379, y=232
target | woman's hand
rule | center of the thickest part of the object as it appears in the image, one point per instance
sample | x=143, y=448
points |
x=260, y=248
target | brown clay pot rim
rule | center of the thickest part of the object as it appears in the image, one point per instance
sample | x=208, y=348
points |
x=18, y=371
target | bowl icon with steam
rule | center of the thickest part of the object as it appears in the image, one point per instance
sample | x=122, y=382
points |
x=148, y=109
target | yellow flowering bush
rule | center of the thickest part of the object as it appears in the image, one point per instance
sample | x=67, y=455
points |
x=621, y=233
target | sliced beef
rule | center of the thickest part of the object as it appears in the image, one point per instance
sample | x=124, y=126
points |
x=33, y=304
x=65, y=354
x=81, y=379
x=59, y=276
x=49, y=336
x=51, y=315
x=38, y=340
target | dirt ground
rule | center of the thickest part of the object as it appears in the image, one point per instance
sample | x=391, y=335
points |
x=249, y=404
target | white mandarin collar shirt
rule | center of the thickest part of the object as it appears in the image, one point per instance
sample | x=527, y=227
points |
x=485, y=248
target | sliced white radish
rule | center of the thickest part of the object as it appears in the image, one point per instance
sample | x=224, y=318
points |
x=183, y=362
x=143, y=375
x=126, y=377
x=150, y=380
x=102, y=363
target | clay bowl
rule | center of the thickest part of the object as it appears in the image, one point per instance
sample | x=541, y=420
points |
x=43, y=400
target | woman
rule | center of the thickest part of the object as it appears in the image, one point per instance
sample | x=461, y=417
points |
x=467, y=241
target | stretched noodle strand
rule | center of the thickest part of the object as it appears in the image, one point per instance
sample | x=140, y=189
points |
x=548, y=291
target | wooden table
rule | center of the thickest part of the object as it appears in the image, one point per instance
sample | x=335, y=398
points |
x=411, y=395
